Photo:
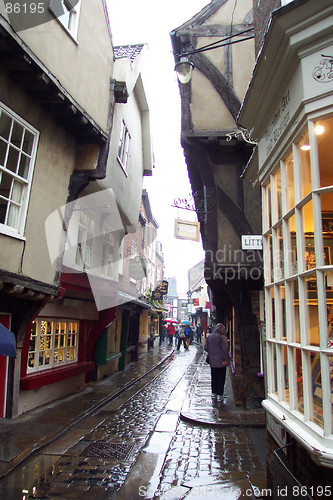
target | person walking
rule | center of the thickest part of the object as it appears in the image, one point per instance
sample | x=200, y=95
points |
x=182, y=338
x=171, y=333
x=216, y=346
x=199, y=332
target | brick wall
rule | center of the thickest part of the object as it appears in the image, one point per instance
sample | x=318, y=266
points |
x=299, y=465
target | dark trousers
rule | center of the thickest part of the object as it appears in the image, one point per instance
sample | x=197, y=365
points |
x=180, y=340
x=218, y=380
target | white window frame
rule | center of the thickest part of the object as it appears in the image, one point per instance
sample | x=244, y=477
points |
x=67, y=13
x=63, y=349
x=123, y=147
x=108, y=263
x=23, y=181
x=84, y=251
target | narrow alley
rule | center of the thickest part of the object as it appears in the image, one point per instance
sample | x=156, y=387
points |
x=149, y=432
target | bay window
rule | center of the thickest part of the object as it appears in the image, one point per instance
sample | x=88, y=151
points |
x=298, y=243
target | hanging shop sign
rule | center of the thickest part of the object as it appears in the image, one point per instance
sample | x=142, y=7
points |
x=163, y=287
x=187, y=230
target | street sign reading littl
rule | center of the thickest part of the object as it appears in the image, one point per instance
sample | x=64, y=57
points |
x=251, y=242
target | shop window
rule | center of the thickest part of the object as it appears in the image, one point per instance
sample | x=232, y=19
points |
x=299, y=279
x=304, y=164
x=52, y=343
x=18, y=142
x=323, y=130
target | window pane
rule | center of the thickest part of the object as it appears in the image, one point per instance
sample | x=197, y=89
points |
x=304, y=164
x=268, y=207
x=295, y=322
x=324, y=133
x=270, y=276
x=312, y=310
x=24, y=166
x=5, y=124
x=292, y=260
x=17, y=132
x=278, y=257
x=5, y=184
x=316, y=393
x=12, y=159
x=299, y=381
x=330, y=358
x=285, y=377
x=28, y=141
x=3, y=149
x=272, y=311
x=308, y=228
x=290, y=188
x=278, y=200
x=32, y=345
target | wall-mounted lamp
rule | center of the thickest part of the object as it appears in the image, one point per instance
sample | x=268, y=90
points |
x=184, y=66
x=184, y=70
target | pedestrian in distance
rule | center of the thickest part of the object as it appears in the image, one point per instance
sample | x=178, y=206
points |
x=182, y=339
x=216, y=346
x=188, y=333
x=199, y=332
x=171, y=333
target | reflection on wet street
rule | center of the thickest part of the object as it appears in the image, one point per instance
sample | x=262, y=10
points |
x=136, y=447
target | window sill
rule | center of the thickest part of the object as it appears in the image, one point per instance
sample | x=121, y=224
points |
x=46, y=377
x=313, y=440
x=6, y=231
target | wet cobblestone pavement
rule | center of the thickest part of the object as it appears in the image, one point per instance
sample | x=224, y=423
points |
x=136, y=446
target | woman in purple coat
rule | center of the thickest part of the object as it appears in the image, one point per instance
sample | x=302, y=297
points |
x=217, y=347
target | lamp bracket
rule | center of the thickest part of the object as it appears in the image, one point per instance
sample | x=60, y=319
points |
x=245, y=134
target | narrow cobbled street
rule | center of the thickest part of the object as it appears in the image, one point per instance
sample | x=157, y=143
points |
x=149, y=441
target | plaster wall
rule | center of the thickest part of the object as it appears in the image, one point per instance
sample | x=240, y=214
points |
x=232, y=11
x=55, y=160
x=127, y=187
x=88, y=59
x=208, y=109
x=242, y=72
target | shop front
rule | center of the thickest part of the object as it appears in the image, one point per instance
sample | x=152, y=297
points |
x=293, y=122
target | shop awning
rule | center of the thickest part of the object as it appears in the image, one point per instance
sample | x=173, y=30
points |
x=125, y=297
